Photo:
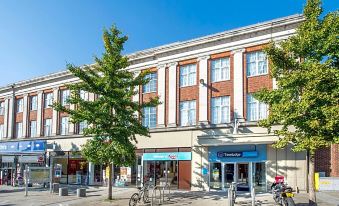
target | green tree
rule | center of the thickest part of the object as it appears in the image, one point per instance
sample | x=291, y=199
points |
x=306, y=101
x=113, y=116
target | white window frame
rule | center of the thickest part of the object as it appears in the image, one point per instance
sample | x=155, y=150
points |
x=64, y=125
x=48, y=127
x=48, y=100
x=64, y=95
x=20, y=105
x=149, y=118
x=33, y=103
x=151, y=86
x=82, y=125
x=19, y=130
x=256, y=71
x=84, y=95
x=2, y=131
x=188, y=113
x=220, y=110
x=255, y=110
x=220, y=69
x=2, y=108
x=33, y=128
x=188, y=75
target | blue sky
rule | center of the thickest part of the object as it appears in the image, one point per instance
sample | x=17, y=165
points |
x=39, y=37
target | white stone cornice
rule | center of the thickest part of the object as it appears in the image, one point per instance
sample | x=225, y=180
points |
x=160, y=66
x=203, y=58
x=242, y=50
x=172, y=64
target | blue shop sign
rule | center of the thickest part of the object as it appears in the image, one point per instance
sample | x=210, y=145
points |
x=237, y=153
x=167, y=156
x=23, y=147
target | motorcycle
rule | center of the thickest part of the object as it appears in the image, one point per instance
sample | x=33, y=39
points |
x=282, y=194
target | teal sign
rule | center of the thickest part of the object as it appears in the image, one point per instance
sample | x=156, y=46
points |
x=166, y=156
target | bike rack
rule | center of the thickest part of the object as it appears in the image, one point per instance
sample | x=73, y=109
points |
x=161, y=195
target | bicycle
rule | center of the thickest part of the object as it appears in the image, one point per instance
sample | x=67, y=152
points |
x=143, y=193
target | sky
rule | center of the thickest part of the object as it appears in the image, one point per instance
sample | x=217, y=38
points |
x=39, y=37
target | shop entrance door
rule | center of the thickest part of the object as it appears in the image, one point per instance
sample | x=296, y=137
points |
x=243, y=181
x=228, y=174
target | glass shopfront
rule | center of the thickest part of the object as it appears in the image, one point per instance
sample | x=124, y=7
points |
x=243, y=164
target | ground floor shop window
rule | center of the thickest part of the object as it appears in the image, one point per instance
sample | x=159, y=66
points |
x=215, y=176
x=259, y=177
x=161, y=172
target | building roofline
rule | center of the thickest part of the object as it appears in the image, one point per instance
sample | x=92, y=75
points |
x=176, y=45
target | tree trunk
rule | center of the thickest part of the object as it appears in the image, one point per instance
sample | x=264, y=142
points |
x=109, y=195
x=312, y=196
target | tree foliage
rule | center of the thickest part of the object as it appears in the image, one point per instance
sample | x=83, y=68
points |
x=306, y=101
x=112, y=116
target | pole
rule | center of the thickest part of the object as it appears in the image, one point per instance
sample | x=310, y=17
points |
x=253, y=196
x=230, y=201
x=50, y=173
x=26, y=180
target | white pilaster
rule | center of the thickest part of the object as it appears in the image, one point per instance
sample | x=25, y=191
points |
x=6, y=117
x=10, y=118
x=55, y=113
x=203, y=109
x=172, y=94
x=71, y=127
x=25, y=116
x=161, y=94
x=39, y=114
x=238, y=83
x=135, y=97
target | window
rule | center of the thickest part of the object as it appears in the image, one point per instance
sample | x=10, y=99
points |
x=256, y=63
x=2, y=108
x=47, y=127
x=32, y=132
x=48, y=100
x=19, y=105
x=33, y=103
x=18, y=129
x=64, y=126
x=255, y=110
x=187, y=113
x=82, y=125
x=2, y=131
x=220, y=69
x=151, y=86
x=149, y=118
x=64, y=97
x=220, y=110
x=188, y=75
x=83, y=95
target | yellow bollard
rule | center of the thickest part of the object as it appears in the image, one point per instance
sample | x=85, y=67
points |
x=316, y=181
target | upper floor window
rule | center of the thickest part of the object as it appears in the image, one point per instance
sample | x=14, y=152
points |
x=64, y=125
x=47, y=127
x=151, y=86
x=83, y=95
x=19, y=105
x=188, y=75
x=82, y=125
x=64, y=97
x=32, y=130
x=34, y=102
x=2, y=131
x=220, y=69
x=48, y=100
x=18, y=129
x=256, y=63
x=255, y=110
x=187, y=113
x=149, y=118
x=220, y=107
x=2, y=108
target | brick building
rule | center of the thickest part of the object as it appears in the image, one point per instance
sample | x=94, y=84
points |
x=203, y=137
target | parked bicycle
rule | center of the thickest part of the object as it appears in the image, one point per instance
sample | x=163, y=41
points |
x=142, y=194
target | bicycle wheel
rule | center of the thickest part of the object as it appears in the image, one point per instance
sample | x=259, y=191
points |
x=145, y=197
x=133, y=201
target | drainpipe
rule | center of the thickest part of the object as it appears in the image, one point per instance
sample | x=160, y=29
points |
x=13, y=110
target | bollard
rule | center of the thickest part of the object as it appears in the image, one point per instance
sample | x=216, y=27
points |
x=81, y=192
x=63, y=191
x=55, y=187
x=230, y=201
x=253, y=196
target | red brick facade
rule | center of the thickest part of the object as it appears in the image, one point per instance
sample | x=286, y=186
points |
x=327, y=160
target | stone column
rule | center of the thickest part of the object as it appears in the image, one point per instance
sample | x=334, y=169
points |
x=6, y=114
x=238, y=83
x=39, y=114
x=10, y=118
x=25, y=122
x=203, y=100
x=55, y=113
x=161, y=93
x=172, y=95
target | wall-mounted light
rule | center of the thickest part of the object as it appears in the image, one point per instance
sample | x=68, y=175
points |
x=202, y=81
